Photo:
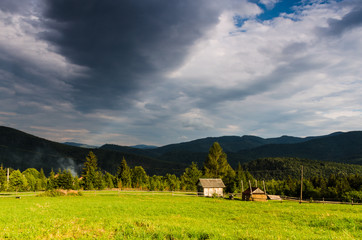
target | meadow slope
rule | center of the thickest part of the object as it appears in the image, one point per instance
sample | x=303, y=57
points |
x=125, y=215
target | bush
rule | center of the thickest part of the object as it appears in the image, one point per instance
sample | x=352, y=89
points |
x=59, y=193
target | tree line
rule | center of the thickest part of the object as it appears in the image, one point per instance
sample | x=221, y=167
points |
x=342, y=187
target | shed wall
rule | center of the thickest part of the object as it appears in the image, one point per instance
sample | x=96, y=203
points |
x=208, y=192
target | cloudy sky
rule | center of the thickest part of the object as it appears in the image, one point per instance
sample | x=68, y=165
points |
x=165, y=71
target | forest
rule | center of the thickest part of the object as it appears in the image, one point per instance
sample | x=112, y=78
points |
x=316, y=185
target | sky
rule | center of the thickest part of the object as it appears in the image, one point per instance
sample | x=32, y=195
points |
x=158, y=72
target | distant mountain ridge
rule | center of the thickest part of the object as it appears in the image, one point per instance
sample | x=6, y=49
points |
x=79, y=145
x=20, y=150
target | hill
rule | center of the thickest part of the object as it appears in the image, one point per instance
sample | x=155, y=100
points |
x=20, y=150
x=281, y=168
x=343, y=148
x=335, y=147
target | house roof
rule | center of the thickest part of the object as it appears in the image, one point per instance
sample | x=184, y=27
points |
x=255, y=190
x=211, y=183
x=274, y=197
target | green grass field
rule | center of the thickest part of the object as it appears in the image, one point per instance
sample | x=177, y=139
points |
x=113, y=215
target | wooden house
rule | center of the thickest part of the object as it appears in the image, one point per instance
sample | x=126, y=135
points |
x=256, y=194
x=210, y=187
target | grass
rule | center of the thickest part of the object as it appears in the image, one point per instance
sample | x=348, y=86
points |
x=113, y=215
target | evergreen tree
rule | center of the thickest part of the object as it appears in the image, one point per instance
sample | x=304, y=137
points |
x=51, y=183
x=240, y=178
x=99, y=182
x=124, y=174
x=190, y=177
x=216, y=164
x=89, y=173
x=65, y=180
x=108, y=179
x=42, y=180
x=3, y=179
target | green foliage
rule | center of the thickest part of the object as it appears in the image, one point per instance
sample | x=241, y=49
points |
x=339, y=188
x=92, y=176
x=3, y=183
x=51, y=182
x=190, y=177
x=59, y=193
x=17, y=181
x=109, y=180
x=32, y=176
x=172, y=182
x=124, y=174
x=281, y=168
x=139, y=177
x=64, y=180
x=216, y=165
x=156, y=183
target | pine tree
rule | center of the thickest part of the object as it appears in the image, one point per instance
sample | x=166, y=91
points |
x=42, y=181
x=51, y=183
x=190, y=177
x=216, y=164
x=2, y=178
x=124, y=174
x=89, y=173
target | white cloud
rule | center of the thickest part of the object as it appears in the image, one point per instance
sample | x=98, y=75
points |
x=269, y=4
x=267, y=78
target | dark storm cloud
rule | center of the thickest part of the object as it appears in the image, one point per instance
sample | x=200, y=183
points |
x=125, y=45
x=349, y=21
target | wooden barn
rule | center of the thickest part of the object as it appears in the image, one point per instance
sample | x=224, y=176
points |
x=256, y=194
x=210, y=187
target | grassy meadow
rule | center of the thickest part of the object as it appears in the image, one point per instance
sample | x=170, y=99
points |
x=127, y=215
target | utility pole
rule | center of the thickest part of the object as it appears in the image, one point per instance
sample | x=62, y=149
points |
x=242, y=186
x=301, y=185
x=7, y=176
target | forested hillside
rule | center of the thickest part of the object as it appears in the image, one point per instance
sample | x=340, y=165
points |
x=20, y=150
x=282, y=168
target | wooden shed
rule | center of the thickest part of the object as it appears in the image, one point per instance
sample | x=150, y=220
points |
x=209, y=187
x=256, y=194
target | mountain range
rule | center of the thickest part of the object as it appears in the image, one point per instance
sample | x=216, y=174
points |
x=20, y=150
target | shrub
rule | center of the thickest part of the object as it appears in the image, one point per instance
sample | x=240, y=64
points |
x=59, y=193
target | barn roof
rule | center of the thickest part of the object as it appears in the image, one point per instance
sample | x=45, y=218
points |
x=211, y=183
x=274, y=197
x=255, y=190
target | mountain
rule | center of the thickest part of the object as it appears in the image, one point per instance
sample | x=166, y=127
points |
x=79, y=145
x=142, y=146
x=20, y=150
x=341, y=147
x=247, y=148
